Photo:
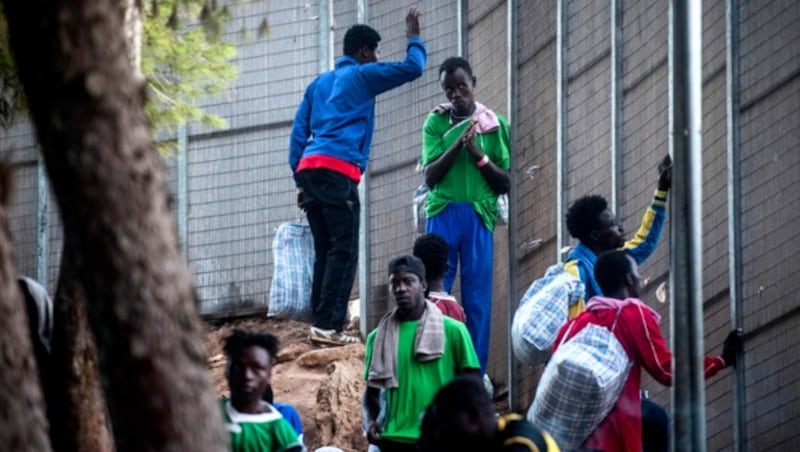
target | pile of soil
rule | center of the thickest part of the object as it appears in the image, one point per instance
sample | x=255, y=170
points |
x=324, y=384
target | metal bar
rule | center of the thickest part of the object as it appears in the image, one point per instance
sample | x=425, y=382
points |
x=364, y=245
x=183, y=188
x=617, y=9
x=42, y=221
x=325, y=52
x=562, y=35
x=361, y=11
x=512, y=89
x=732, y=105
x=238, y=131
x=686, y=252
x=462, y=23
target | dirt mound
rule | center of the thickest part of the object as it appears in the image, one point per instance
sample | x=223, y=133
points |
x=324, y=384
x=337, y=418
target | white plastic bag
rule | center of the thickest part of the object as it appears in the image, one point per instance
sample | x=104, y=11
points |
x=418, y=207
x=293, y=260
x=542, y=311
x=502, y=209
x=580, y=385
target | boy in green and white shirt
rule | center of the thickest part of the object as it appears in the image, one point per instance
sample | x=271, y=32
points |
x=254, y=425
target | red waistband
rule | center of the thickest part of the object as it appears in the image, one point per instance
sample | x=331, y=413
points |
x=331, y=163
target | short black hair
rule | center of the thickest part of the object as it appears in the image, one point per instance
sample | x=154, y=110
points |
x=241, y=339
x=358, y=36
x=584, y=214
x=432, y=250
x=465, y=393
x=451, y=64
x=611, y=269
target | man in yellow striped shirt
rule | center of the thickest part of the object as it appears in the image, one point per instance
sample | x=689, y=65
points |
x=597, y=229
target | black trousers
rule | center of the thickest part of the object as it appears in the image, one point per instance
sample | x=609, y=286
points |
x=655, y=427
x=332, y=207
x=391, y=446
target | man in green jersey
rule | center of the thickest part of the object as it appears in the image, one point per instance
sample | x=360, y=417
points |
x=414, y=351
x=254, y=425
x=465, y=153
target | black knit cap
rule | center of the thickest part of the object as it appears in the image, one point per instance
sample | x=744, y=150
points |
x=407, y=263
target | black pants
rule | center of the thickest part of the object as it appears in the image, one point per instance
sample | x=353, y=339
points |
x=391, y=446
x=655, y=427
x=332, y=207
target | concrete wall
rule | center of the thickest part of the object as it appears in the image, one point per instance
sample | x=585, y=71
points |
x=770, y=165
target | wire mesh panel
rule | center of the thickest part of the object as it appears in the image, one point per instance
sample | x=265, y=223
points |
x=239, y=184
x=239, y=192
x=397, y=142
x=770, y=167
x=535, y=156
x=22, y=217
x=487, y=49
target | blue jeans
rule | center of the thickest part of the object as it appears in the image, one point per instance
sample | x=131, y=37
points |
x=471, y=246
x=332, y=207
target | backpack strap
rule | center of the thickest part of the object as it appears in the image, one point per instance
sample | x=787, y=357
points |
x=566, y=334
x=613, y=327
x=616, y=317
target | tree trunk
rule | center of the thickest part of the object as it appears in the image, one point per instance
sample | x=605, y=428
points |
x=23, y=426
x=76, y=408
x=112, y=192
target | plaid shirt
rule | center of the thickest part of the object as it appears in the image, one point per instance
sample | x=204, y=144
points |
x=542, y=312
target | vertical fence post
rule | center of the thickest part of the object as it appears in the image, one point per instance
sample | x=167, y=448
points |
x=462, y=28
x=617, y=9
x=42, y=221
x=512, y=90
x=732, y=105
x=183, y=188
x=364, y=255
x=686, y=252
x=562, y=35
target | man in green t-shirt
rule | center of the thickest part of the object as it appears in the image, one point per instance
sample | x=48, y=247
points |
x=254, y=425
x=414, y=351
x=465, y=153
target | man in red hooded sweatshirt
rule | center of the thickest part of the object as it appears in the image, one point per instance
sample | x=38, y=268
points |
x=638, y=332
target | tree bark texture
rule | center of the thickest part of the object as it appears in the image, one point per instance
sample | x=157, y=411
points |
x=76, y=406
x=23, y=424
x=112, y=192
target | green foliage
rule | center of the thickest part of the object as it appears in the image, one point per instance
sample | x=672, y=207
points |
x=184, y=64
x=183, y=59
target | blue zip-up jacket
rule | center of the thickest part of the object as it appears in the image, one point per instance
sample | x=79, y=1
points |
x=337, y=113
x=581, y=259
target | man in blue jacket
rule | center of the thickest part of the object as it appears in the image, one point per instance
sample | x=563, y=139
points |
x=328, y=152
